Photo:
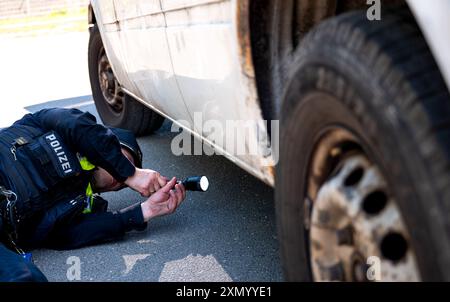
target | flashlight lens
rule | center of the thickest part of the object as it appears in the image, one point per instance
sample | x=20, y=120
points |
x=204, y=183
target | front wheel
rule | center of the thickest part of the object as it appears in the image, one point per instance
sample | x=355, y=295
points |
x=363, y=181
x=116, y=108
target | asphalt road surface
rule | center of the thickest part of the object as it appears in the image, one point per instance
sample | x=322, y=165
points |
x=226, y=234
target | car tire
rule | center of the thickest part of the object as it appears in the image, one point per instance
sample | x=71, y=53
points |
x=378, y=81
x=129, y=113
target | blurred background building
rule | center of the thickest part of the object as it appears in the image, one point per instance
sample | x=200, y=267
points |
x=20, y=8
x=37, y=17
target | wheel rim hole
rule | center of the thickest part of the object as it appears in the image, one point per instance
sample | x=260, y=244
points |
x=295, y=28
x=359, y=271
x=394, y=247
x=354, y=178
x=375, y=202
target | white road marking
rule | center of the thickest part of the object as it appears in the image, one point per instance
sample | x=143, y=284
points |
x=194, y=269
x=131, y=260
x=144, y=241
x=78, y=105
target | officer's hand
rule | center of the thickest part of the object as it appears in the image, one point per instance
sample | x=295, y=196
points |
x=165, y=201
x=146, y=181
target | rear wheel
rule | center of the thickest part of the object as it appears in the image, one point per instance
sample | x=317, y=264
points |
x=363, y=181
x=115, y=107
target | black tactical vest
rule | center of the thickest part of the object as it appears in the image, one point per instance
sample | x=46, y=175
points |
x=39, y=168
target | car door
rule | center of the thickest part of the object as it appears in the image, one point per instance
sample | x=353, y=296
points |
x=201, y=36
x=147, y=58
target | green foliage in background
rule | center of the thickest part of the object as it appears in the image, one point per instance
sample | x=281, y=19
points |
x=56, y=21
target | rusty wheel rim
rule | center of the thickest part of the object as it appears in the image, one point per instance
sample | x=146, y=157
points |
x=110, y=87
x=356, y=230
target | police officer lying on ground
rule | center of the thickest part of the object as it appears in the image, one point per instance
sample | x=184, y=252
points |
x=51, y=165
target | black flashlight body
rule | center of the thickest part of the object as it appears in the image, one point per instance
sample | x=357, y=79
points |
x=196, y=183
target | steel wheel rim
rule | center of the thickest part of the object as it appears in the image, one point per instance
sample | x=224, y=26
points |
x=356, y=230
x=110, y=87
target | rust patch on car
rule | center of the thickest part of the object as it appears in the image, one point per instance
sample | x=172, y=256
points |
x=243, y=35
x=271, y=171
x=252, y=110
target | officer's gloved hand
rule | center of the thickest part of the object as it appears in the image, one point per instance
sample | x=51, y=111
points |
x=146, y=181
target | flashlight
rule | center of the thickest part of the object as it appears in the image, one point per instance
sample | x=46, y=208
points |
x=196, y=183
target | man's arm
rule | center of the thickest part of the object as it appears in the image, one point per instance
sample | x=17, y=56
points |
x=81, y=132
x=97, y=228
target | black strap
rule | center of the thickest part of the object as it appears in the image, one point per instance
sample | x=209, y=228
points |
x=16, y=171
x=8, y=212
x=24, y=131
x=2, y=196
x=3, y=201
x=23, y=185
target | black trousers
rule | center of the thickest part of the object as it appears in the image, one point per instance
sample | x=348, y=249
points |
x=84, y=231
x=14, y=268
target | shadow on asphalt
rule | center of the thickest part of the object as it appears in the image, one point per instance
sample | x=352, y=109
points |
x=234, y=221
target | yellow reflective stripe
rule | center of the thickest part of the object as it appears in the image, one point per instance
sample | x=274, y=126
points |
x=86, y=165
x=89, y=199
x=89, y=191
